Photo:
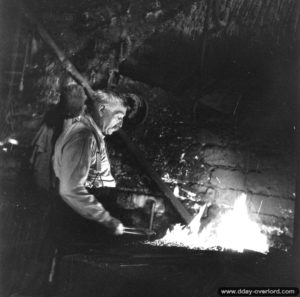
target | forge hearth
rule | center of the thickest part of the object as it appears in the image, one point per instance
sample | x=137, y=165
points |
x=139, y=270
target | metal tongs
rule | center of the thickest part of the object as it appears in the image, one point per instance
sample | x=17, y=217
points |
x=143, y=231
x=139, y=231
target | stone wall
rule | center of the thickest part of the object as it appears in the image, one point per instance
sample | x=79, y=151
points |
x=217, y=160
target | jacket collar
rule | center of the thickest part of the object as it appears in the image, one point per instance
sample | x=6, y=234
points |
x=92, y=123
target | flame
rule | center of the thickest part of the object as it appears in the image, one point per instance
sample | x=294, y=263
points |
x=233, y=230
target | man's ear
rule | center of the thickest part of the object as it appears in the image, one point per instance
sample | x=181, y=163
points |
x=101, y=109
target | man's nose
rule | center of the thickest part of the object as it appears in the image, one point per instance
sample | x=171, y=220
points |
x=120, y=124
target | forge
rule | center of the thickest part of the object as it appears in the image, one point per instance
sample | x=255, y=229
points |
x=211, y=132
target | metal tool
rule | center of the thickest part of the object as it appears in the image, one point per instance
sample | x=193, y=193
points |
x=142, y=231
x=152, y=215
x=138, y=231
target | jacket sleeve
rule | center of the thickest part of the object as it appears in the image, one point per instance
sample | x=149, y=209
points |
x=75, y=163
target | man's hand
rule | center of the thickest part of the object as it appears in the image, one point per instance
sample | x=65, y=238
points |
x=114, y=225
x=119, y=230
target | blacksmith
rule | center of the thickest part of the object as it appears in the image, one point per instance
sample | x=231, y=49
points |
x=81, y=164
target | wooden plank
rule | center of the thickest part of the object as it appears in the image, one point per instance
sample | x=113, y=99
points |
x=66, y=63
x=185, y=215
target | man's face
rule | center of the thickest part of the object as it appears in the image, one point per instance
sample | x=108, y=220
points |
x=111, y=117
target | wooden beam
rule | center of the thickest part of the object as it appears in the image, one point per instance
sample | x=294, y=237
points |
x=66, y=63
x=185, y=215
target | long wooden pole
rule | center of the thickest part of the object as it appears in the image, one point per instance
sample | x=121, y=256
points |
x=70, y=68
x=185, y=215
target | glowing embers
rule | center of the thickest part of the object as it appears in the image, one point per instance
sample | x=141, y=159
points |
x=232, y=230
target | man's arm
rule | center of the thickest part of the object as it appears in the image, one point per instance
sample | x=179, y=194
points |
x=75, y=163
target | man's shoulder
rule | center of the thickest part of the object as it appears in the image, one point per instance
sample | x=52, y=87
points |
x=83, y=132
x=80, y=131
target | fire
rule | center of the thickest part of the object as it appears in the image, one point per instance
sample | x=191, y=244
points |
x=233, y=230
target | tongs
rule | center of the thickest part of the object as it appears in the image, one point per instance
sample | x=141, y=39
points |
x=138, y=231
x=142, y=231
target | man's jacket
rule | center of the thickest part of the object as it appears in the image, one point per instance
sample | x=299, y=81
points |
x=79, y=161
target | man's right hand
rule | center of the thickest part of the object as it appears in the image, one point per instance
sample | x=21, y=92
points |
x=115, y=226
